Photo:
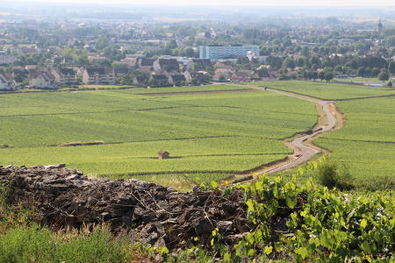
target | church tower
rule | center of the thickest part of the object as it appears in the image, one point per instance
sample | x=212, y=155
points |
x=380, y=27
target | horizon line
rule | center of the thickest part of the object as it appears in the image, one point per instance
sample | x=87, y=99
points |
x=150, y=4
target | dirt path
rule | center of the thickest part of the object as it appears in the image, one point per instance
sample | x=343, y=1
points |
x=303, y=149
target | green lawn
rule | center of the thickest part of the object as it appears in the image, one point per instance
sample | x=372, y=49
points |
x=210, y=136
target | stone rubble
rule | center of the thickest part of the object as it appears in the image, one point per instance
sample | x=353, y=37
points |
x=152, y=213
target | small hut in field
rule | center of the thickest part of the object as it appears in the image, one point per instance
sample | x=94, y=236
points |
x=163, y=155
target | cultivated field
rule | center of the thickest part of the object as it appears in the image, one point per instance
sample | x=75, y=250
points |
x=328, y=91
x=366, y=144
x=362, y=80
x=211, y=132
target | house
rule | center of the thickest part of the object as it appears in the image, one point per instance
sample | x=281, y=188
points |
x=168, y=65
x=65, y=76
x=345, y=41
x=129, y=61
x=7, y=82
x=99, y=75
x=42, y=80
x=188, y=76
x=145, y=64
x=98, y=59
x=177, y=79
x=243, y=75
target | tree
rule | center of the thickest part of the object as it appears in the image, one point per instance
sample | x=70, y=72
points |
x=113, y=52
x=314, y=75
x=243, y=60
x=189, y=52
x=328, y=76
x=102, y=43
x=222, y=78
x=383, y=76
x=172, y=44
x=361, y=72
x=262, y=72
x=301, y=62
x=389, y=84
x=274, y=62
x=20, y=75
x=289, y=63
x=321, y=75
x=391, y=67
x=391, y=41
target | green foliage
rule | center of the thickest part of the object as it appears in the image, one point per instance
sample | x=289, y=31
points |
x=311, y=223
x=23, y=241
x=331, y=176
x=383, y=76
x=35, y=244
x=26, y=245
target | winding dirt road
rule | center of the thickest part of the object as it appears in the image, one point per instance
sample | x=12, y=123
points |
x=303, y=149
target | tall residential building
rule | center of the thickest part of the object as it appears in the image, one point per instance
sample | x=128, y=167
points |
x=235, y=51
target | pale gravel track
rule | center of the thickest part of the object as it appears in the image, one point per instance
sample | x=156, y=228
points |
x=303, y=151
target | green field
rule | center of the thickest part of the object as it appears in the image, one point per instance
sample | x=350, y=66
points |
x=366, y=144
x=210, y=135
x=328, y=91
x=362, y=80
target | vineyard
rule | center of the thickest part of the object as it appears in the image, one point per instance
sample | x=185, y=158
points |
x=366, y=144
x=210, y=134
x=319, y=212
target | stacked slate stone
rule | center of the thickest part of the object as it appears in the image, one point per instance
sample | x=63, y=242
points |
x=151, y=213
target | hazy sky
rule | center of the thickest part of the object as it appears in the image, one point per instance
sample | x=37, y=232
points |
x=233, y=2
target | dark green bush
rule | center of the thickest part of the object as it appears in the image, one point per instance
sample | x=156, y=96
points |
x=331, y=175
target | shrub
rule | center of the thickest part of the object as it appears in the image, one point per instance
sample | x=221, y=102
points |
x=331, y=176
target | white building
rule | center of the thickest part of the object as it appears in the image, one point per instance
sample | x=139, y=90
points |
x=234, y=51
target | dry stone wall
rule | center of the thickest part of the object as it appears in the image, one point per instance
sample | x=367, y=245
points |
x=151, y=213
